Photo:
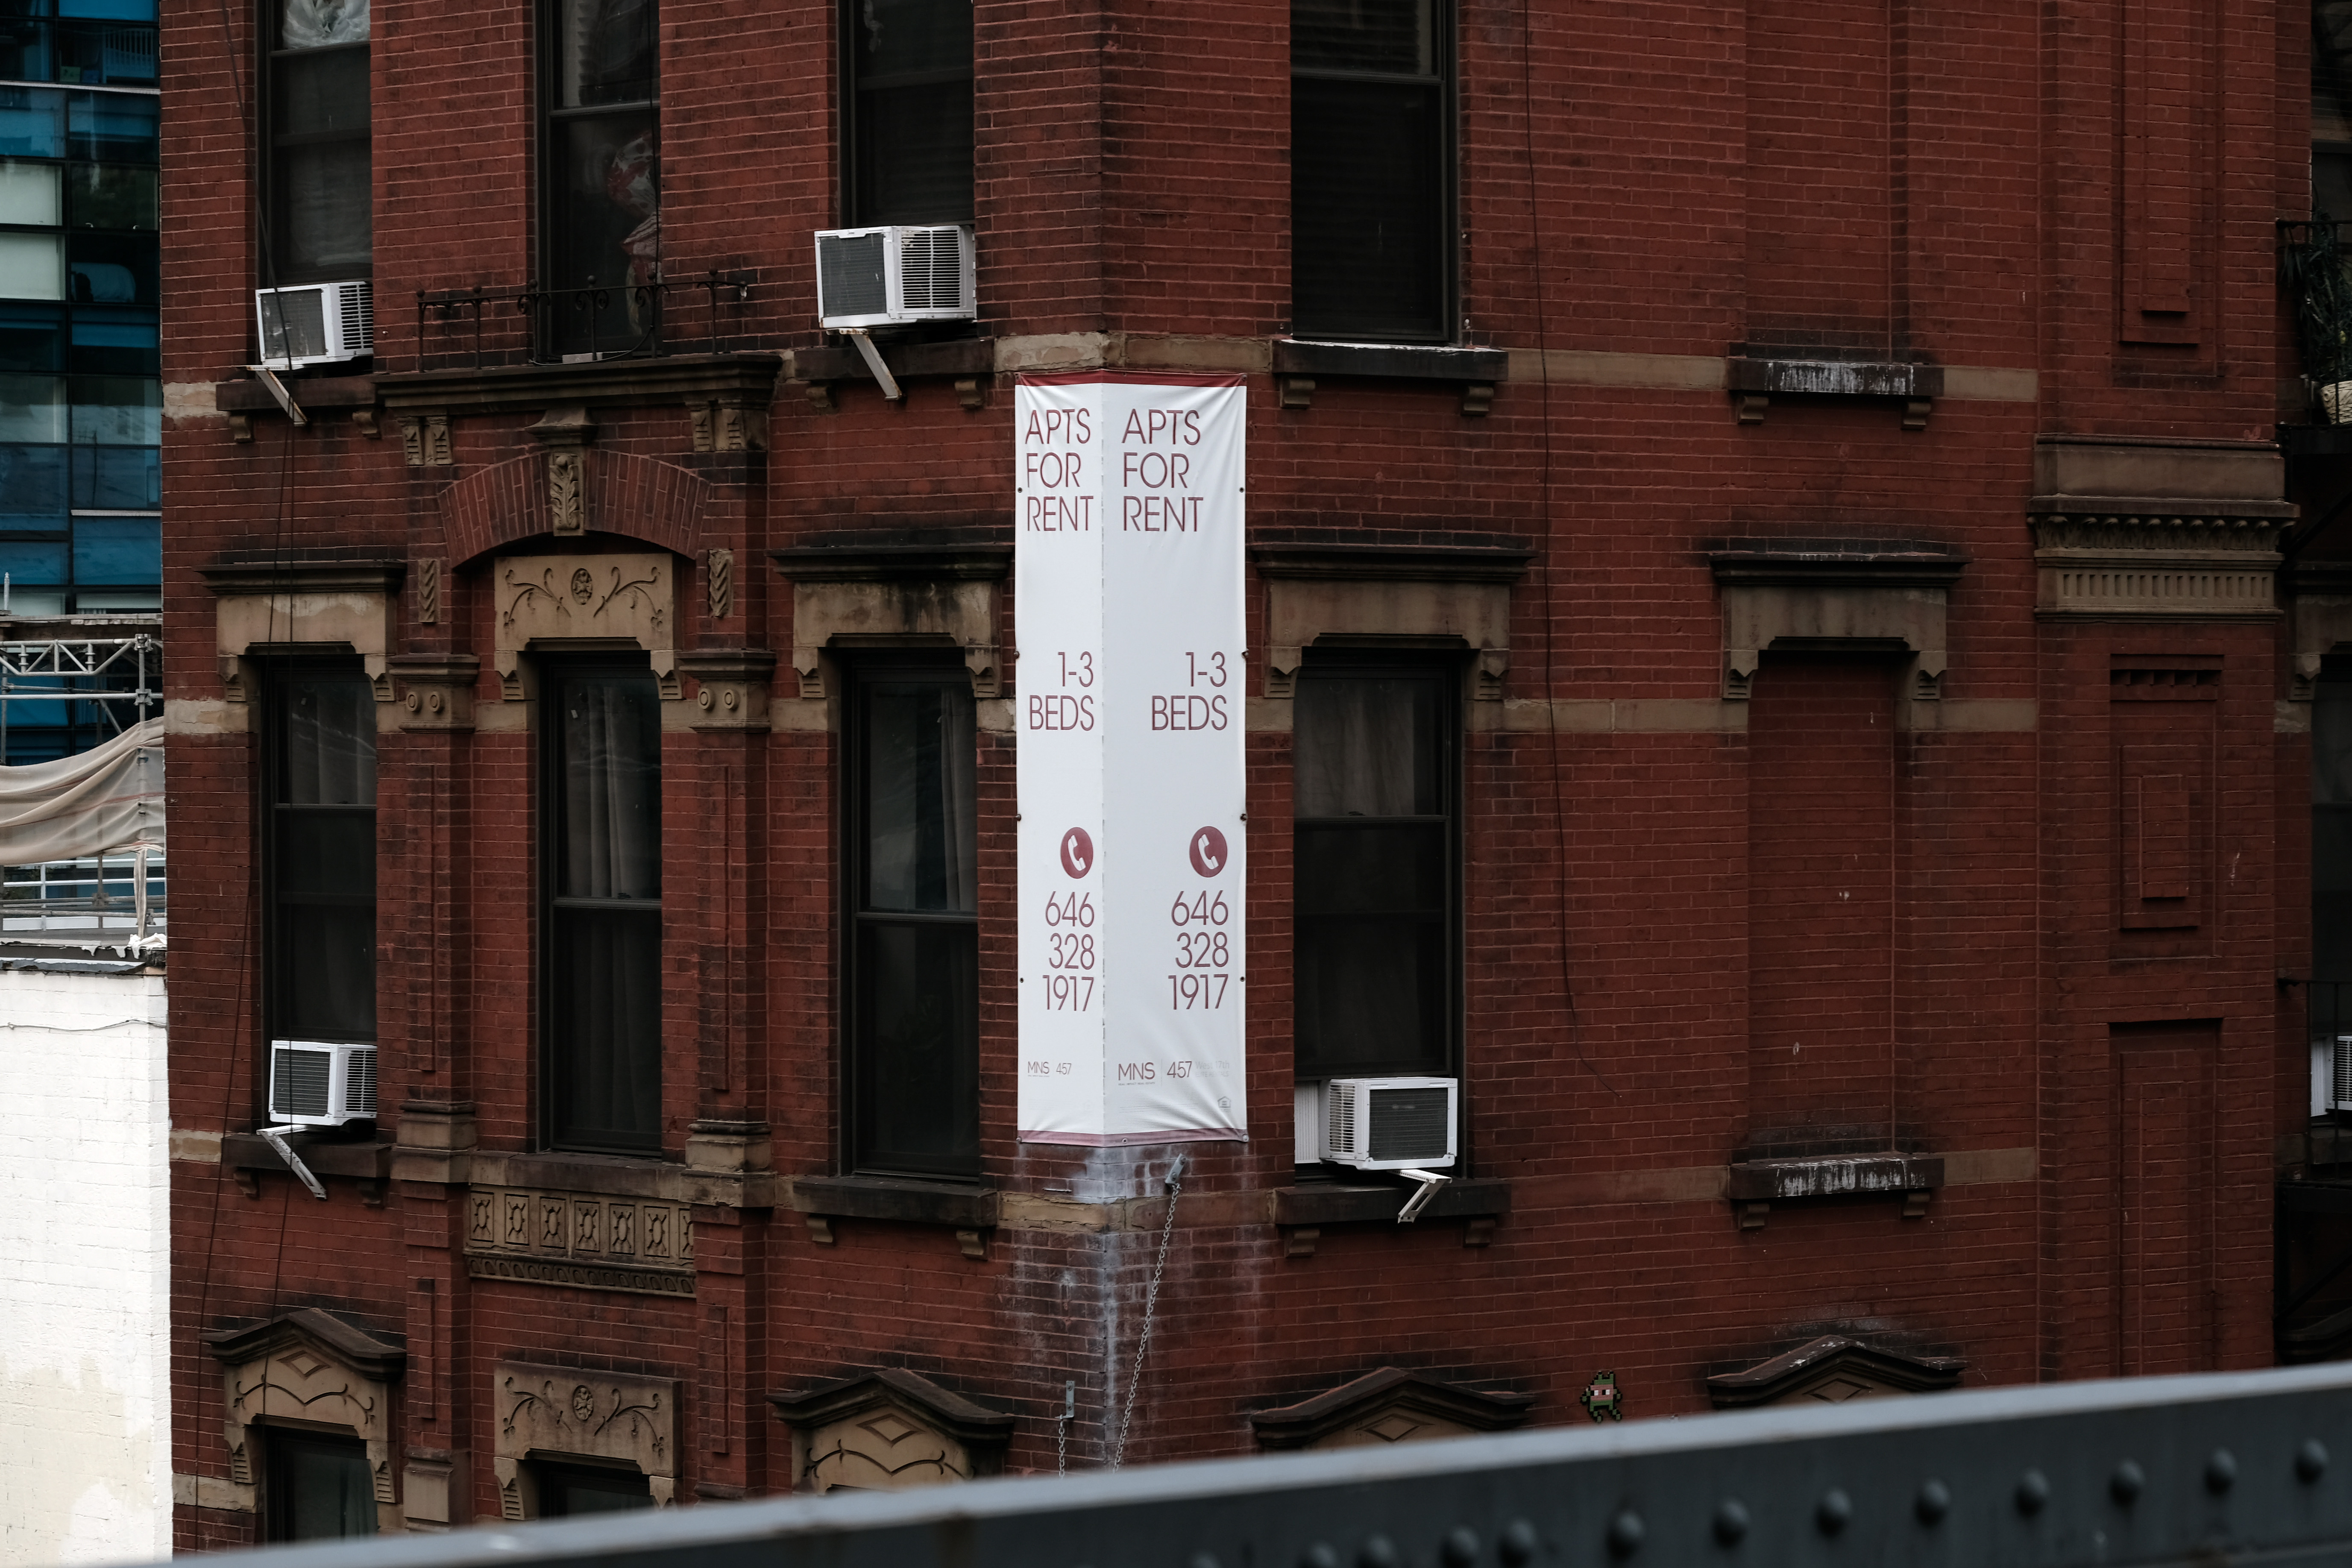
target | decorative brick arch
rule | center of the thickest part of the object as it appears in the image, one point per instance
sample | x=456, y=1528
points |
x=637, y=496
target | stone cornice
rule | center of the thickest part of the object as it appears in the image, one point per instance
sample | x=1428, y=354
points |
x=296, y=575
x=861, y=562
x=1406, y=562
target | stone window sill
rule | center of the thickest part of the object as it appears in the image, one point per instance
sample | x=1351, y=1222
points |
x=369, y=1164
x=1754, y=1185
x=970, y=1211
x=1754, y=379
x=1299, y=365
x=1303, y=1212
x=970, y=362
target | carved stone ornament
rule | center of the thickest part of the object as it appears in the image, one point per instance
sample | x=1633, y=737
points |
x=1838, y=595
x=310, y=607
x=563, y=1413
x=585, y=1240
x=311, y=1370
x=556, y=599
x=888, y=1429
x=567, y=497
x=730, y=687
x=436, y=690
x=884, y=595
x=1442, y=596
x=1390, y=1406
x=2139, y=529
x=718, y=579
x=1832, y=1370
x=427, y=577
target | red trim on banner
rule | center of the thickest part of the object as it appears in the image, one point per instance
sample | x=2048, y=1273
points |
x=1122, y=1140
x=1137, y=377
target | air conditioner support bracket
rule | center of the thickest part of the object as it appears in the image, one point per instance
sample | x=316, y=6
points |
x=275, y=1138
x=269, y=378
x=863, y=343
x=1430, y=1182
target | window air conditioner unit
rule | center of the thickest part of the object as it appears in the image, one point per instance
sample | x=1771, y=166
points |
x=315, y=324
x=2331, y=1075
x=316, y=1085
x=1390, y=1123
x=895, y=275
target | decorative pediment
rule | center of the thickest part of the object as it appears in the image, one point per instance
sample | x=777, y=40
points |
x=888, y=1429
x=897, y=592
x=1338, y=592
x=1854, y=596
x=616, y=601
x=1832, y=1369
x=564, y=1412
x=312, y=1369
x=1391, y=1406
x=298, y=605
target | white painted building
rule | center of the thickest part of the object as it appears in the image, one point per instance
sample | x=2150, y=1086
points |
x=84, y=1428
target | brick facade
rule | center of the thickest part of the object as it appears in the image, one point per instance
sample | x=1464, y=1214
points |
x=2031, y=922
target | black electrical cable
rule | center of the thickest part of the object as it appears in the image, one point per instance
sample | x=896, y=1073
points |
x=1546, y=579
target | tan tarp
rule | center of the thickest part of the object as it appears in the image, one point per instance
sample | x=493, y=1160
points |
x=107, y=798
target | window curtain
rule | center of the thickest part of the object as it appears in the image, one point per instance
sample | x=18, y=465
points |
x=329, y=747
x=1364, y=749
x=921, y=801
x=612, y=791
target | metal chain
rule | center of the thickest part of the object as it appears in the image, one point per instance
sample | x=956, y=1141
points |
x=1150, y=1305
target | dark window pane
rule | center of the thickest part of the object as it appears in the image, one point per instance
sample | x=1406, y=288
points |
x=319, y=1488
x=326, y=756
x=914, y=153
x=921, y=799
x=111, y=195
x=917, y=1065
x=611, y=765
x=321, y=93
x=32, y=122
x=36, y=564
x=111, y=127
x=1367, y=209
x=111, y=268
x=31, y=339
x=606, y=230
x=119, y=478
x=604, y=1014
x=325, y=219
x=32, y=487
x=115, y=342
x=1371, y=870
x=326, y=851
x=896, y=38
x=102, y=56
x=1368, y=747
x=325, y=961
x=1397, y=36
x=568, y=1490
x=1371, y=995
x=606, y=52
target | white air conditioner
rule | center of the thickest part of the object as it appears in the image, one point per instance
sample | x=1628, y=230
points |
x=318, y=1085
x=895, y=275
x=2331, y=1075
x=1390, y=1123
x=315, y=324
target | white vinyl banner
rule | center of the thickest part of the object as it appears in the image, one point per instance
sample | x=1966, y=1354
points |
x=1127, y=617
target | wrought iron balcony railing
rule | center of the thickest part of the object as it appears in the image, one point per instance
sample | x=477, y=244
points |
x=2314, y=276
x=480, y=327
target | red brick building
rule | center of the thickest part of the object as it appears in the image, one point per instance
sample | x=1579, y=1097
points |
x=1765, y=527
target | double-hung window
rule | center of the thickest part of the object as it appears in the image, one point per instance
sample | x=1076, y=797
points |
x=914, y=899
x=906, y=156
x=600, y=915
x=318, y=854
x=1371, y=170
x=320, y=186
x=1376, y=870
x=602, y=174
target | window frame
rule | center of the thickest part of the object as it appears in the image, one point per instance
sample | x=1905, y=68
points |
x=852, y=205
x=554, y=339
x=269, y=210
x=277, y=676
x=862, y=674
x=547, y=821
x=1445, y=40
x=1447, y=672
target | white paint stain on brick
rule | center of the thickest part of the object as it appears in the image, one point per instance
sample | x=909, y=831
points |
x=84, y=1428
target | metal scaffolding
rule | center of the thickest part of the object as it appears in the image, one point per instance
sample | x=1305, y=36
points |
x=84, y=669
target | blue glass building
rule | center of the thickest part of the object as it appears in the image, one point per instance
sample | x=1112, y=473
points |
x=81, y=393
